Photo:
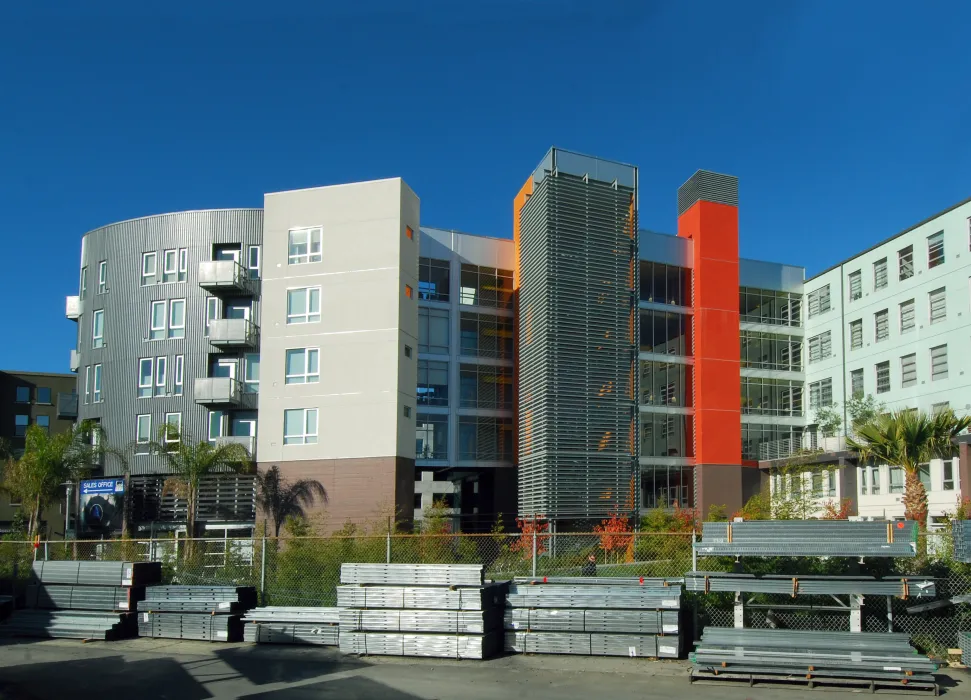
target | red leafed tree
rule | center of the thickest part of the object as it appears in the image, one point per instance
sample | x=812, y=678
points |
x=836, y=511
x=615, y=535
x=524, y=545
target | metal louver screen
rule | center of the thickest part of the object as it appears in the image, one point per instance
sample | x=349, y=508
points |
x=939, y=362
x=938, y=305
x=907, y=316
x=908, y=370
x=882, y=323
x=578, y=340
x=856, y=335
x=856, y=285
x=880, y=274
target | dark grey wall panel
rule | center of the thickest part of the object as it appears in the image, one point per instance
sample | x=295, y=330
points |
x=127, y=307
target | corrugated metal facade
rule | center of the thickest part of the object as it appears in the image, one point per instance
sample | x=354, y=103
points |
x=127, y=309
x=578, y=348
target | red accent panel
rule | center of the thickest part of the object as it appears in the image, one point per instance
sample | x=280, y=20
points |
x=713, y=228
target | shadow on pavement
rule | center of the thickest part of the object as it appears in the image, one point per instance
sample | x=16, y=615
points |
x=279, y=664
x=356, y=688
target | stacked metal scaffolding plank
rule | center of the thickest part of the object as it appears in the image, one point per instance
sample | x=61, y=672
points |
x=446, y=610
x=597, y=617
x=85, y=600
x=800, y=538
x=205, y=613
x=749, y=655
x=900, y=586
x=964, y=641
x=292, y=625
x=961, y=530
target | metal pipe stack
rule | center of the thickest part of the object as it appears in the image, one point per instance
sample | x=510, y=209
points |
x=961, y=530
x=205, y=613
x=438, y=610
x=83, y=600
x=880, y=660
x=809, y=538
x=634, y=617
x=291, y=625
x=903, y=587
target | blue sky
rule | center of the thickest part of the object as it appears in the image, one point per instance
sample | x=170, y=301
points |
x=845, y=121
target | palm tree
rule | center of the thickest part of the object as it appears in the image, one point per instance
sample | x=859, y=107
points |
x=49, y=461
x=281, y=499
x=187, y=462
x=906, y=439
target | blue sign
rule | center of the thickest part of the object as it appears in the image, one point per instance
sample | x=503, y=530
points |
x=92, y=486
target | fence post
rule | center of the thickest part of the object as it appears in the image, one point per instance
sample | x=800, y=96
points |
x=387, y=545
x=47, y=554
x=263, y=572
x=694, y=553
x=534, y=545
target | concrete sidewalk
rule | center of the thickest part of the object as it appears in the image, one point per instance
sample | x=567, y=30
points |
x=146, y=669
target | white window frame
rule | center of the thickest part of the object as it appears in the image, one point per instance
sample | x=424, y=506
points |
x=884, y=315
x=177, y=424
x=176, y=331
x=309, y=256
x=940, y=375
x=856, y=334
x=853, y=375
x=948, y=484
x=856, y=285
x=247, y=380
x=908, y=366
x=98, y=338
x=876, y=369
x=254, y=270
x=161, y=367
x=911, y=308
x=308, y=316
x=96, y=394
x=157, y=332
x=310, y=433
x=145, y=390
x=183, y=264
x=146, y=274
x=87, y=384
x=178, y=375
x=221, y=416
x=212, y=311
x=905, y=266
x=170, y=274
x=935, y=250
x=83, y=282
x=880, y=267
x=940, y=296
x=102, y=277
x=307, y=377
x=139, y=420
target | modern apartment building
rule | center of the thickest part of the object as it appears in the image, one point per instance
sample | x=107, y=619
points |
x=582, y=367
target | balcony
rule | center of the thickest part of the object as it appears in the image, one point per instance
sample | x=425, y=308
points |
x=73, y=307
x=67, y=405
x=233, y=332
x=218, y=391
x=808, y=443
x=223, y=276
x=75, y=361
x=247, y=441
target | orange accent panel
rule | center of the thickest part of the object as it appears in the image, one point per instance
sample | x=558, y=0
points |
x=517, y=204
x=720, y=333
x=716, y=276
x=518, y=201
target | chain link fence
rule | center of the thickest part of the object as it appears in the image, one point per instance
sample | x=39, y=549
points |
x=305, y=571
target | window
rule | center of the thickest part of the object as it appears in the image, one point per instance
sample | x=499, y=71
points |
x=409, y=232
x=300, y=426
x=145, y=375
x=212, y=311
x=760, y=395
x=177, y=318
x=907, y=316
x=157, y=328
x=170, y=266
x=409, y=292
x=433, y=279
x=856, y=383
x=856, y=334
x=939, y=363
x=173, y=427
x=908, y=370
x=896, y=480
x=881, y=326
x=484, y=335
x=856, y=285
x=924, y=473
x=161, y=365
x=149, y=263
x=880, y=274
x=251, y=373
x=433, y=331
x=431, y=436
x=98, y=329
x=485, y=439
x=83, y=285
x=874, y=480
x=820, y=346
x=940, y=407
x=938, y=305
x=406, y=411
x=480, y=386
x=178, y=375
x=303, y=305
x=432, y=387
x=23, y=394
x=305, y=245
x=143, y=429
x=43, y=394
x=102, y=277
x=183, y=264
x=905, y=262
x=87, y=384
x=408, y=351
x=755, y=305
x=96, y=397
x=819, y=301
x=20, y=425
x=821, y=394
x=303, y=366
x=947, y=469
x=935, y=250
x=485, y=286
x=883, y=377
x=671, y=284
x=215, y=425
x=253, y=260
x=665, y=332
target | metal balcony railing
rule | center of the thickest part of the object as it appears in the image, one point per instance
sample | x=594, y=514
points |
x=233, y=332
x=223, y=275
x=808, y=442
x=213, y=391
x=247, y=441
x=67, y=405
